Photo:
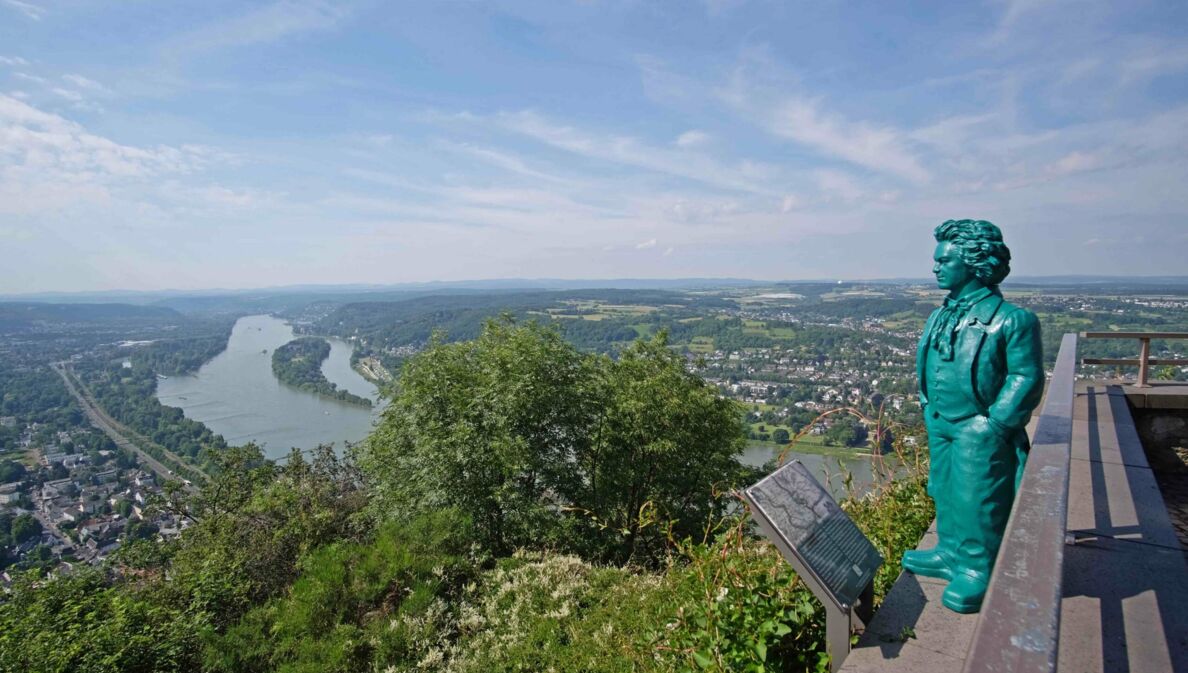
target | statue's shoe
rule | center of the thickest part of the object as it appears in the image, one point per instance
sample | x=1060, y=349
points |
x=928, y=562
x=965, y=593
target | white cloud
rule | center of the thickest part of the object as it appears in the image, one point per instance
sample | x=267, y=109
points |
x=84, y=83
x=27, y=8
x=1074, y=162
x=12, y=60
x=506, y=161
x=30, y=78
x=67, y=94
x=48, y=162
x=645, y=245
x=668, y=251
x=877, y=147
x=749, y=176
x=692, y=138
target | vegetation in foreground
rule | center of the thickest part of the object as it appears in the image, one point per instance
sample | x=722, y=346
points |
x=522, y=506
x=299, y=364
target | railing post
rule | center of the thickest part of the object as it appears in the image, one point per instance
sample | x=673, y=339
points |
x=1144, y=362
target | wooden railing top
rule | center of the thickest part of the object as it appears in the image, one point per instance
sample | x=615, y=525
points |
x=1134, y=335
x=1019, y=627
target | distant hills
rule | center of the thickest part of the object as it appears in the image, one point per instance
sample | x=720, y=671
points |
x=277, y=298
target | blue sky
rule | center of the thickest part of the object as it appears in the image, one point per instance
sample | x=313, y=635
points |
x=148, y=145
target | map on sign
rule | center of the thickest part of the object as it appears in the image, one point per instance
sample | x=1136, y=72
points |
x=811, y=526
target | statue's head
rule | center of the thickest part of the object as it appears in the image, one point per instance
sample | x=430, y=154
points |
x=970, y=251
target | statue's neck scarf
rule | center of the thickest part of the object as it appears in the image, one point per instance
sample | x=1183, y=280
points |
x=944, y=328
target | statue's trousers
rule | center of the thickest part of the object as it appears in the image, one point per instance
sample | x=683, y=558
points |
x=972, y=478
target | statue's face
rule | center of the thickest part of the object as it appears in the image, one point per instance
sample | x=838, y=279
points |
x=951, y=273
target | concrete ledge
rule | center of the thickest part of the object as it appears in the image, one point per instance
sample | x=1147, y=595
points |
x=912, y=632
x=1160, y=395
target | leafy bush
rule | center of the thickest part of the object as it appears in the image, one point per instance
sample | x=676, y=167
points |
x=355, y=603
x=78, y=624
x=540, y=611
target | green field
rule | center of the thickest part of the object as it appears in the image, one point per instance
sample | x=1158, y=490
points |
x=805, y=446
x=702, y=344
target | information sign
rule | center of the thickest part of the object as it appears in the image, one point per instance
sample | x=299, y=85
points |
x=823, y=545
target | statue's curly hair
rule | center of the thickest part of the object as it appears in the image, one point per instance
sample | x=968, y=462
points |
x=981, y=247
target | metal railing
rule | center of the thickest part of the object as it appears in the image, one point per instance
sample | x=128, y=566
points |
x=1144, y=361
x=1019, y=628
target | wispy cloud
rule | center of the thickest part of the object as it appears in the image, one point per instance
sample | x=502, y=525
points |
x=745, y=176
x=878, y=147
x=29, y=9
x=506, y=161
x=85, y=83
x=646, y=245
x=48, y=162
x=270, y=23
x=13, y=60
x=30, y=78
x=692, y=138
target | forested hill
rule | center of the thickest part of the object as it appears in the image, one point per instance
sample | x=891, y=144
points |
x=461, y=317
x=24, y=316
x=299, y=364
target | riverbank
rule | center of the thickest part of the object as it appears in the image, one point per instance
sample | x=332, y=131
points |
x=371, y=369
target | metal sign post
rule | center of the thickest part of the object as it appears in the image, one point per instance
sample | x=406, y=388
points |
x=823, y=545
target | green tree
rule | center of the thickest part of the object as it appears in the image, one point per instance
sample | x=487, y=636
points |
x=537, y=443
x=252, y=522
x=25, y=528
x=780, y=436
x=10, y=470
x=490, y=427
x=846, y=432
x=663, y=439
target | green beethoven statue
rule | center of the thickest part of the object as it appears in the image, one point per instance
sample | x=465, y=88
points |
x=980, y=367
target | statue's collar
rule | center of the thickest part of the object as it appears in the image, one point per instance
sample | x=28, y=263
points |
x=972, y=298
x=985, y=304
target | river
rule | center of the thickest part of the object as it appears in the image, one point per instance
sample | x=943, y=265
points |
x=830, y=470
x=236, y=394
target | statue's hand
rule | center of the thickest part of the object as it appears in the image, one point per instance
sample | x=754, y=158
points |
x=985, y=426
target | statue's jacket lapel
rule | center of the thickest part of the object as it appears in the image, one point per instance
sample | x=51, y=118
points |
x=975, y=330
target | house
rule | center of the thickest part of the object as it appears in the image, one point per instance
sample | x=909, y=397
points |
x=10, y=492
x=108, y=475
x=55, y=488
x=61, y=516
